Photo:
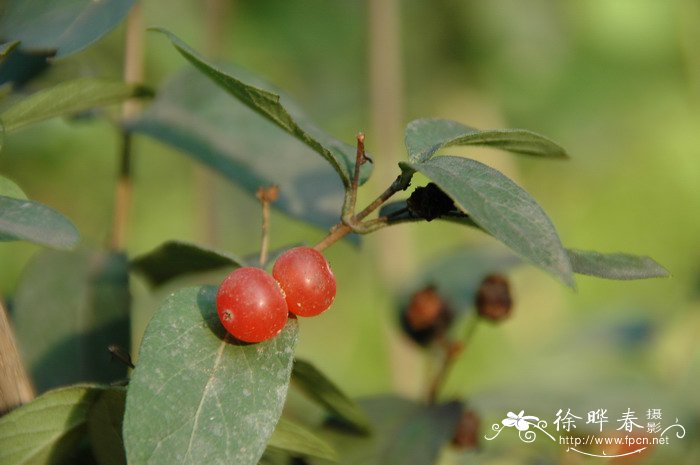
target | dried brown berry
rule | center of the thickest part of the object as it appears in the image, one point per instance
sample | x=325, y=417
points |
x=426, y=317
x=467, y=434
x=493, y=299
x=429, y=202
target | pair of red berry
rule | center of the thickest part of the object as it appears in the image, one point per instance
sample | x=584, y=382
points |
x=253, y=306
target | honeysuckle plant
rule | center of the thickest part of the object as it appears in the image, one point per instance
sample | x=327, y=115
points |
x=196, y=394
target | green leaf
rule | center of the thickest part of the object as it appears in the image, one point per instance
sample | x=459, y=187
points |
x=322, y=390
x=47, y=430
x=503, y=209
x=405, y=432
x=67, y=98
x=197, y=117
x=35, y=222
x=457, y=274
x=277, y=108
x=173, y=259
x=198, y=397
x=69, y=307
x=66, y=26
x=104, y=426
x=292, y=437
x=615, y=265
x=424, y=137
x=8, y=188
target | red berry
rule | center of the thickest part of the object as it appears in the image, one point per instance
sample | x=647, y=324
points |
x=251, y=305
x=306, y=279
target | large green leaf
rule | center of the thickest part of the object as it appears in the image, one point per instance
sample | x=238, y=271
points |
x=322, y=390
x=405, y=432
x=67, y=98
x=501, y=208
x=31, y=221
x=66, y=26
x=197, y=117
x=105, y=427
x=277, y=108
x=196, y=396
x=69, y=307
x=424, y=137
x=615, y=265
x=173, y=259
x=294, y=438
x=47, y=430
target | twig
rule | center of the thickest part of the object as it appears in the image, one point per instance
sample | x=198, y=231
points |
x=452, y=351
x=266, y=195
x=338, y=231
x=379, y=201
x=351, y=198
x=355, y=224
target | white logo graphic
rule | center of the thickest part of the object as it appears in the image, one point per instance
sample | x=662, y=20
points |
x=528, y=427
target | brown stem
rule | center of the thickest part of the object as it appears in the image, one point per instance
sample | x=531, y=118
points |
x=351, y=197
x=338, y=231
x=266, y=195
x=354, y=223
x=133, y=73
x=379, y=201
x=452, y=351
x=15, y=386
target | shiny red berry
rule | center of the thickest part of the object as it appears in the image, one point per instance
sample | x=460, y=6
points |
x=306, y=279
x=251, y=305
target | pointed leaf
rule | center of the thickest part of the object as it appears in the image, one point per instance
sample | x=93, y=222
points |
x=277, y=108
x=35, y=222
x=105, y=427
x=173, y=259
x=198, y=397
x=502, y=209
x=424, y=137
x=66, y=26
x=292, y=437
x=67, y=98
x=48, y=429
x=198, y=118
x=322, y=390
x=615, y=265
x=69, y=308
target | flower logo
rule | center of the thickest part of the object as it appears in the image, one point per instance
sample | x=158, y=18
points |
x=520, y=421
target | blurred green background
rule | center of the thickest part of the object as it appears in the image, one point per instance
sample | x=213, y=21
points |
x=616, y=82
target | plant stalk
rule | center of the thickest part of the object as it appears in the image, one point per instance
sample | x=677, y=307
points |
x=133, y=73
x=15, y=385
x=266, y=195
